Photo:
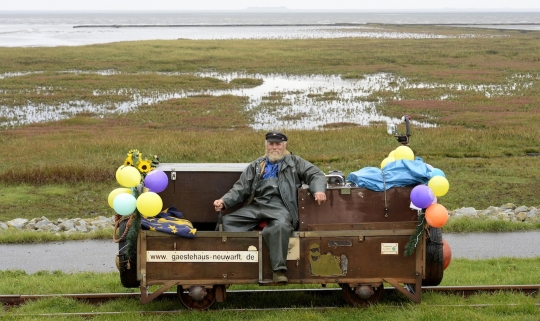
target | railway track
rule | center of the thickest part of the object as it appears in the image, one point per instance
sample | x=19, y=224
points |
x=531, y=289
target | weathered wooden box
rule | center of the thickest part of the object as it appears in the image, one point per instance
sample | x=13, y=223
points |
x=193, y=188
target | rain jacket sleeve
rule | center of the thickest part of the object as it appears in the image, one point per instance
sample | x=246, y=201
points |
x=242, y=189
x=311, y=175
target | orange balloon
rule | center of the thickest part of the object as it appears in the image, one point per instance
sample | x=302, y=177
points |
x=436, y=215
x=447, y=254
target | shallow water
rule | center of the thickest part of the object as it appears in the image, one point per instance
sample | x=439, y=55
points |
x=24, y=29
x=301, y=101
x=303, y=104
x=282, y=101
x=66, y=35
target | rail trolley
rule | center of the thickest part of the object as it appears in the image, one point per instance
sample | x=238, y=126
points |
x=356, y=239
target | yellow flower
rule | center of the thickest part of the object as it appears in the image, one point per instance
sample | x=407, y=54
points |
x=129, y=160
x=144, y=166
x=135, y=158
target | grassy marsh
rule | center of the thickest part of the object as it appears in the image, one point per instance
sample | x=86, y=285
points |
x=481, y=142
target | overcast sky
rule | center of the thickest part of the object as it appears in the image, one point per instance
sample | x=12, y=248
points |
x=243, y=4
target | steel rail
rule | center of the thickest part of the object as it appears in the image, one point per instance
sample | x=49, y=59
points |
x=16, y=299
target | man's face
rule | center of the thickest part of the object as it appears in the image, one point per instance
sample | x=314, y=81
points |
x=275, y=151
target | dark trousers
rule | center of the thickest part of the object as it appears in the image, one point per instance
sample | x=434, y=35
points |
x=276, y=233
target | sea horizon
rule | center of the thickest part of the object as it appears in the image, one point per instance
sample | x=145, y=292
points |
x=284, y=9
x=47, y=28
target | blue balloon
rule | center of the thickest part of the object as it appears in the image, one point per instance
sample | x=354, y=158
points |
x=437, y=172
x=124, y=204
x=422, y=196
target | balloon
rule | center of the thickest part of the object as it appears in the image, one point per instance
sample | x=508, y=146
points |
x=118, y=171
x=149, y=204
x=436, y=215
x=404, y=152
x=115, y=192
x=128, y=176
x=437, y=172
x=156, y=181
x=439, y=185
x=434, y=199
x=392, y=153
x=422, y=196
x=124, y=204
x=447, y=254
x=431, y=167
x=386, y=161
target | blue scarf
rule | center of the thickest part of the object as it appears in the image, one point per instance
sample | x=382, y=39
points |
x=271, y=169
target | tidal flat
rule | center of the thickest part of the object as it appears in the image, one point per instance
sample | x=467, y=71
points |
x=70, y=114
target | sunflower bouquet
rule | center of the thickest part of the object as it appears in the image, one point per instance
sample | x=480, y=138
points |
x=144, y=165
x=140, y=183
x=138, y=196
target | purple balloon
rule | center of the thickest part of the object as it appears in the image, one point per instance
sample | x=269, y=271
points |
x=422, y=196
x=156, y=181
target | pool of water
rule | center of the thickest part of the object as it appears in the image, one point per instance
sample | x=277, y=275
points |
x=281, y=101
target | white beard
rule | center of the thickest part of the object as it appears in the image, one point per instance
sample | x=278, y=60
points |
x=276, y=156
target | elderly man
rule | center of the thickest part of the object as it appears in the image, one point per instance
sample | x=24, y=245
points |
x=269, y=188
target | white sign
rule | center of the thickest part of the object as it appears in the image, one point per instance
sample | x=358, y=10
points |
x=389, y=248
x=294, y=249
x=202, y=256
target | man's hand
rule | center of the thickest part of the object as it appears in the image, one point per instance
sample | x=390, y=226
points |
x=219, y=204
x=320, y=197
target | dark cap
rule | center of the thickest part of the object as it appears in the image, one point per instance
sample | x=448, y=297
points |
x=275, y=137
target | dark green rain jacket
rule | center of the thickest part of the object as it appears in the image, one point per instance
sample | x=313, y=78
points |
x=292, y=172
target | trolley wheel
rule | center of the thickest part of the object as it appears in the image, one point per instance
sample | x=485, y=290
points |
x=197, y=297
x=355, y=300
x=126, y=265
x=434, y=258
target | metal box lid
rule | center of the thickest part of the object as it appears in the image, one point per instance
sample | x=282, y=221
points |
x=202, y=167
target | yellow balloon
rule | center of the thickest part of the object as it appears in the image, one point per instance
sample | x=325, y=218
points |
x=392, y=154
x=386, y=161
x=128, y=176
x=439, y=185
x=403, y=152
x=118, y=171
x=115, y=192
x=149, y=204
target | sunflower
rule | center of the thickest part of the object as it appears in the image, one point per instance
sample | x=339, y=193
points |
x=129, y=160
x=144, y=166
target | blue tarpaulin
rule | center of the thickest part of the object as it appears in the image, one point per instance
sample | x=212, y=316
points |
x=398, y=173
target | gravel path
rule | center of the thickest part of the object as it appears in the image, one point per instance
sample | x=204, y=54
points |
x=99, y=255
